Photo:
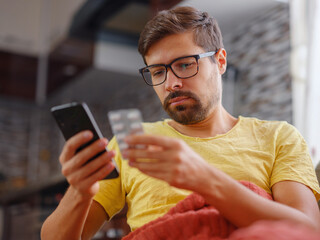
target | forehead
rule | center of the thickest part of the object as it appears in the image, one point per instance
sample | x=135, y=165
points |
x=171, y=47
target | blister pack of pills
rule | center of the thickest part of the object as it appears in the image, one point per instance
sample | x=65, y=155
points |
x=125, y=122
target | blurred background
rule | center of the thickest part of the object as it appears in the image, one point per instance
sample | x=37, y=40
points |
x=54, y=52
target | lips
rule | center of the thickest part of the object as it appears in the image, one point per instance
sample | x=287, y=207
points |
x=178, y=100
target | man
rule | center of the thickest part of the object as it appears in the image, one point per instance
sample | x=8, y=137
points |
x=202, y=149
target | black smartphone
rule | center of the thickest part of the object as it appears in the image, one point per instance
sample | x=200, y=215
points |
x=75, y=117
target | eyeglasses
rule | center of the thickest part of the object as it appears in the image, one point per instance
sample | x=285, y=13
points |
x=182, y=67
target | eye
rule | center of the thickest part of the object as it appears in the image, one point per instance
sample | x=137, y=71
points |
x=186, y=65
x=157, y=72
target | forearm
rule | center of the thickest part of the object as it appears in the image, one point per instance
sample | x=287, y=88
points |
x=67, y=221
x=242, y=206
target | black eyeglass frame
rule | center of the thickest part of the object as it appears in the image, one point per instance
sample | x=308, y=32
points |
x=196, y=56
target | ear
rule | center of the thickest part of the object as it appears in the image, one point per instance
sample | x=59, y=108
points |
x=221, y=58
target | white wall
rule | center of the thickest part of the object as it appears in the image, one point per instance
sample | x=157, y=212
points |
x=19, y=25
x=312, y=125
x=305, y=62
x=117, y=57
x=34, y=26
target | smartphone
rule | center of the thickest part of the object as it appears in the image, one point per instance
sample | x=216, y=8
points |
x=75, y=117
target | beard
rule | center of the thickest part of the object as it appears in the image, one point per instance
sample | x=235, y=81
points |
x=188, y=114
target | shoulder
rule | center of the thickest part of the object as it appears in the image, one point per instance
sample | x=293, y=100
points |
x=267, y=126
x=261, y=122
x=278, y=132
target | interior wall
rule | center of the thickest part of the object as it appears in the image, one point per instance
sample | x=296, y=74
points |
x=32, y=130
x=260, y=51
x=34, y=27
x=312, y=109
x=20, y=34
x=117, y=57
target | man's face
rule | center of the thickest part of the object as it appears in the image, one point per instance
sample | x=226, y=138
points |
x=191, y=100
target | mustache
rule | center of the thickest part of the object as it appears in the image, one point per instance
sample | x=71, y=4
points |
x=178, y=94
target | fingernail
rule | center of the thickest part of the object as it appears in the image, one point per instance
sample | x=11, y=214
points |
x=87, y=134
x=112, y=153
x=110, y=166
x=102, y=143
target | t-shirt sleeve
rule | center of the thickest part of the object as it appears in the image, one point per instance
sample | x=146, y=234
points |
x=292, y=160
x=111, y=195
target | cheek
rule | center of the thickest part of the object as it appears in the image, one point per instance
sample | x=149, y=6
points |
x=213, y=84
x=160, y=93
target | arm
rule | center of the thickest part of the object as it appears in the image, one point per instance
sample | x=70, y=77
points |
x=177, y=164
x=293, y=201
x=95, y=219
x=74, y=215
x=74, y=219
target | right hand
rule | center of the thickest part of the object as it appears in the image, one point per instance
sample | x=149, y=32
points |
x=84, y=177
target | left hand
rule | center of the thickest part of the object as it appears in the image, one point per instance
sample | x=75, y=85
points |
x=171, y=160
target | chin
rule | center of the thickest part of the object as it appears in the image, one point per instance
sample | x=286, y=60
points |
x=186, y=117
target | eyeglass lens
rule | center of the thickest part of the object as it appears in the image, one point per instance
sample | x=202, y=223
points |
x=182, y=68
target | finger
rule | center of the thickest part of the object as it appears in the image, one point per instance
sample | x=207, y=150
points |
x=95, y=148
x=150, y=166
x=103, y=161
x=148, y=154
x=83, y=156
x=161, y=172
x=165, y=142
x=99, y=162
x=88, y=182
x=165, y=176
x=73, y=144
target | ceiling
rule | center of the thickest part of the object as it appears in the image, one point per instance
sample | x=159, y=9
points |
x=231, y=13
x=112, y=26
x=122, y=21
x=119, y=33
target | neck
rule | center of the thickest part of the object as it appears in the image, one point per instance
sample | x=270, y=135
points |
x=217, y=122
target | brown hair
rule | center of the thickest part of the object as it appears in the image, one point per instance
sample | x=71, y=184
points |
x=206, y=30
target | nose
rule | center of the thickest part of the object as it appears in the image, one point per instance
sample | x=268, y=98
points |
x=173, y=82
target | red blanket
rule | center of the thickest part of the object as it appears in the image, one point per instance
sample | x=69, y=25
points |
x=192, y=218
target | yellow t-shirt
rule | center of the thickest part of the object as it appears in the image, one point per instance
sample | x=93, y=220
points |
x=262, y=152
